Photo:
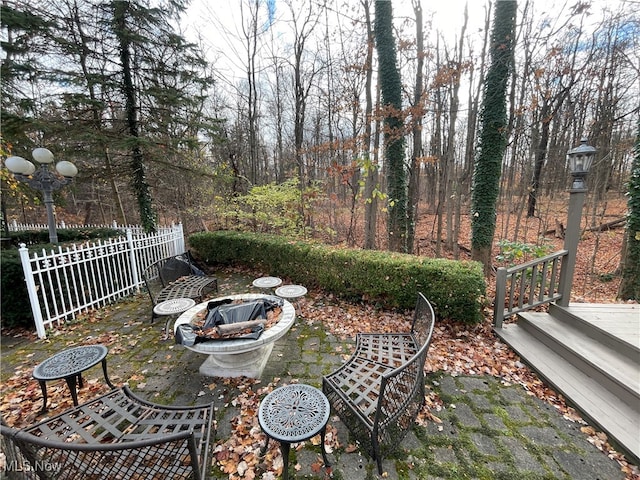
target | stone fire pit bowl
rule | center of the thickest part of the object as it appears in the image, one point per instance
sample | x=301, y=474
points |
x=238, y=357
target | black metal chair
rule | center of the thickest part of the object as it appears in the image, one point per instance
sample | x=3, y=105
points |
x=117, y=435
x=177, y=277
x=379, y=391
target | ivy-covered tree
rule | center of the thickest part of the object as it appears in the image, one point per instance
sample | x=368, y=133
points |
x=391, y=88
x=493, y=135
x=630, y=284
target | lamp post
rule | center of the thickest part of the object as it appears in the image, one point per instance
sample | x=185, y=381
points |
x=44, y=179
x=580, y=160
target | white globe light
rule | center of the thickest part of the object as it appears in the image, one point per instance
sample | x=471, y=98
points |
x=66, y=169
x=31, y=168
x=17, y=164
x=42, y=155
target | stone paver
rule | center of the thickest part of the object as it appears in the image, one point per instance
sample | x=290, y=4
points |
x=487, y=430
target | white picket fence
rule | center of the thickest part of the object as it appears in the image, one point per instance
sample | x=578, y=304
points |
x=14, y=226
x=65, y=282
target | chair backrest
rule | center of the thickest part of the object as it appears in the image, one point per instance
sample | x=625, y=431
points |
x=402, y=390
x=173, y=268
x=423, y=320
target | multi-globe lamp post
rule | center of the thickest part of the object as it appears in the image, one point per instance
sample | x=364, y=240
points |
x=579, y=161
x=43, y=178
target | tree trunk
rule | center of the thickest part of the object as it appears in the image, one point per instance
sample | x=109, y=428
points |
x=394, y=138
x=371, y=181
x=418, y=112
x=630, y=284
x=140, y=185
x=493, y=136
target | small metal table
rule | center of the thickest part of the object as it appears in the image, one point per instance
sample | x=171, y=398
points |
x=69, y=364
x=267, y=283
x=168, y=308
x=292, y=414
x=291, y=292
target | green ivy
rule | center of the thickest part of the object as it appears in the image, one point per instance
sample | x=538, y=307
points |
x=515, y=253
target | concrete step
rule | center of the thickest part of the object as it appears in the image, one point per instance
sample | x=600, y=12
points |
x=597, y=402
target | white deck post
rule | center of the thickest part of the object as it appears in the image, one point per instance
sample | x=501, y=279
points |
x=31, y=288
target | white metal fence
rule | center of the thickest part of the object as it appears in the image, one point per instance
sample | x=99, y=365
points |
x=14, y=226
x=70, y=280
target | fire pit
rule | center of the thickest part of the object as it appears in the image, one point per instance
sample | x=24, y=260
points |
x=240, y=356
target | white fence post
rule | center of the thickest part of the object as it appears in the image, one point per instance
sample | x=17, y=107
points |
x=179, y=238
x=31, y=288
x=132, y=260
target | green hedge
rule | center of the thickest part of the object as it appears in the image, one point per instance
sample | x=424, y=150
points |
x=16, y=309
x=32, y=237
x=456, y=289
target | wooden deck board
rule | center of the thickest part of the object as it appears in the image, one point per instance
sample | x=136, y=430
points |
x=620, y=320
x=608, y=360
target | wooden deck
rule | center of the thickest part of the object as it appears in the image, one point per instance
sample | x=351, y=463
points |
x=591, y=354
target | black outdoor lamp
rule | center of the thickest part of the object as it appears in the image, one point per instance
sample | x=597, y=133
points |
x=580, y=160
x=44, y=179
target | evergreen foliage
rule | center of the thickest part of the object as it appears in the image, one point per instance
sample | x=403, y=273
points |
x=127, y=128
x=493, y=135
x=391, y=87
x=630, y=285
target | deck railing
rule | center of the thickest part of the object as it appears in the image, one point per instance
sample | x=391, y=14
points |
x=526, y=286
x=64, y=282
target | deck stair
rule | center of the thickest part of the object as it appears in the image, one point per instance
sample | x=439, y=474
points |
x=591, y=354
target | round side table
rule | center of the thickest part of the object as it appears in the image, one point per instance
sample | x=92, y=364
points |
x=292, y=414
x=69, y=364
x=170, y=308
x=267, y=283
x=291, y=292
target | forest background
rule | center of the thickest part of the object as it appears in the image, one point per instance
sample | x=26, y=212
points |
x=164, y=129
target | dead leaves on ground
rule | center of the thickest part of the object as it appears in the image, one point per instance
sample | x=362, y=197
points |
x=456, y=350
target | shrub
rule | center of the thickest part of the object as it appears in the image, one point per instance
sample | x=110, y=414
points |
x=41, y=237
x=16, y=310
x=455, y=288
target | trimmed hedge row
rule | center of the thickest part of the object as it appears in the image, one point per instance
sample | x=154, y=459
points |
x=14, y=304
x=456, y=289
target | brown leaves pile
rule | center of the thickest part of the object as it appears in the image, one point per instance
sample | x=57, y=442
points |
x=239, y=456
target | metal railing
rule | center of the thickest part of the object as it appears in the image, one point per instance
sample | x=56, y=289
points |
x=527, y=286
x=64, y=282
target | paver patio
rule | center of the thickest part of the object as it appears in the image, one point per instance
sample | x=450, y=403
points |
x=488, y=430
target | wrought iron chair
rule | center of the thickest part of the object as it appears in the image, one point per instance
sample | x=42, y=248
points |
x=117, y=435
x=378, y=392
x=177, y=277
